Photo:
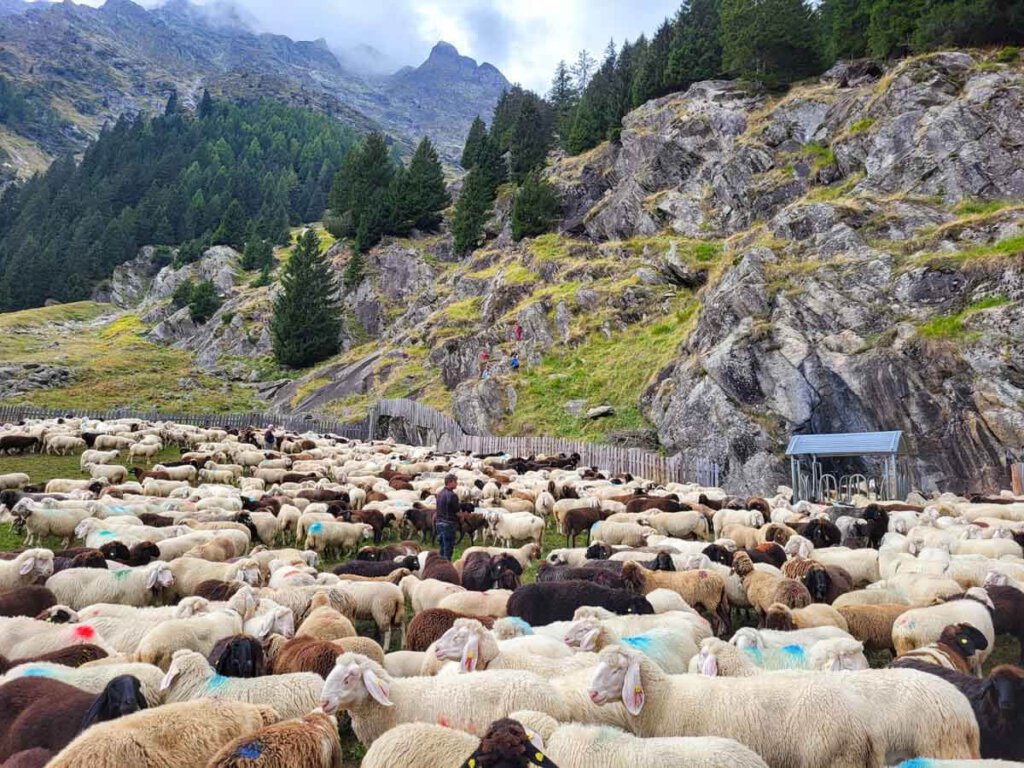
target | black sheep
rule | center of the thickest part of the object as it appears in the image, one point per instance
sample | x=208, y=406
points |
x=373, y=568
x=238, y=656
x=117, y=551
x=545, y=602
x=26, y=601
x=481, y=572
x=40, y=712
x=998, y=703
x=599, y=552
x=437, y=567
x=821, y=533
x=601, y=576
x=878, y=524
x=716, y=553
x=507, y=745
x=143, y=553
x=216, y=590
x=1008, y=613
x=69, y=656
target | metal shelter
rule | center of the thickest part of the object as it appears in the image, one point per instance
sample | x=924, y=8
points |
x=810, y=481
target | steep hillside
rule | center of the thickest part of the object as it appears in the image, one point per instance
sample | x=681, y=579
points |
x=88, y=66
x=738, y=268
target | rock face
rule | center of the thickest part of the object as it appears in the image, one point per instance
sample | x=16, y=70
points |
x=18, y=378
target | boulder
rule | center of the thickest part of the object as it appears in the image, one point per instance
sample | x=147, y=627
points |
x=600, y=412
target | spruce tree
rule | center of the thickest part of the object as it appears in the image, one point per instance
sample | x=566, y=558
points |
x=535, y=208
x=845, y=28
x=172, y=103
x=306, y=326
x=771, y=41
x=232, y=227
x=203, y=302
x=649, y=80
x=696, y=50
x=205, y=105
x=563, y=99
x=258, y=253
x=471, y=152
x=360, y=192
x=472, y=209
x=530, y=138
x=425, y=195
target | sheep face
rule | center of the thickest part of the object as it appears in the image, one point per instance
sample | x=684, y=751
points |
x=249, y=572
x=583, y=634
x=618, y=677
x=747, y=639
x=121, y=696
x=351, y=682
x=1005, y=688
x=461, y=643
x=159, y=577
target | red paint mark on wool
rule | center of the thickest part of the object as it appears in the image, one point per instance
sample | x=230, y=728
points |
x=443, y=721
x=85, y=632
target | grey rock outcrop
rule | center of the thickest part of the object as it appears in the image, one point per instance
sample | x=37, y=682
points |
x=479, y=406
x=18, y=378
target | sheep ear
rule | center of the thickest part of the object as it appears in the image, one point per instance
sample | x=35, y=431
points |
x=709, y=665
x=541, y=760
x=27, y=566
x=169, y=678
x=377, y=688
x=590, y=639
x=470, y=655
x=151, y=579
x=632, y=689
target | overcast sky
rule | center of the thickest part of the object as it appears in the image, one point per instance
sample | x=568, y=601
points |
x=523, y=38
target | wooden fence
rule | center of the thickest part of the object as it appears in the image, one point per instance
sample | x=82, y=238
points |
x=293, y=422
x=445, y=432
x=1017, y=478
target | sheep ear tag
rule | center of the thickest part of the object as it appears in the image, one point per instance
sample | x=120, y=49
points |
x=632, y=689
x=470, y=655
x=541, y=760
x=376, y=688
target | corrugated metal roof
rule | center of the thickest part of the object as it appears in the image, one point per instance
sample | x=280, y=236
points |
x=846, y=444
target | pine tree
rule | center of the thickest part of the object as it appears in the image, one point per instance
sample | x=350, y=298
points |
x=530, y=139
x=204, y=302
x=471, y=210
x=306, y=326
x=172, y=103
x=205, y=105
x=258, y=253
x=583, y=70
x=471, y=152
x=425, y=195
x=696, y=49
x=771, y=41
x=535, y=208
x=232, y=227
x=649, y=81
x=845, y=28
x=354, y=271
x=563, y=99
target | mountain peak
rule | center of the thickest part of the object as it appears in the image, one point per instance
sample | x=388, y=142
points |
x=118, y=6
x=443, y=50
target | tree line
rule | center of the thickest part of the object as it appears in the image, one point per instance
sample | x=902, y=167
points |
x=772, y=42
x=231, y=174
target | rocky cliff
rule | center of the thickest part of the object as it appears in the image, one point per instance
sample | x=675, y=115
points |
x=739, y=268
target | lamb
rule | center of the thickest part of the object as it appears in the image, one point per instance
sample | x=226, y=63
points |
x=670, y=649
x=593, y=746
x=872, y=624
x=420, y=745
x=36, y=712
x=765, y=589
x=189, y=572
x=324, y=622
x=190, y=676
x=425, y=628
x=953, y=650
x=94, y=677
x=81, y=587
x=920, y=626
x=918, y=717
x=337, y=537
x=629, y=534
x=380, y=601
x=783, y=618
x=377, y=702
x=996, y=702
x=312, y=742
x=733, y=708
x=547, y=602
x=185, y=733
x=702, y=588
x=198, y=633
x=27, y=568
x=22, y=636
x=40, y=521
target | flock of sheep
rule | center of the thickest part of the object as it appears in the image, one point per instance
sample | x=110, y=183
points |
x=188, y=618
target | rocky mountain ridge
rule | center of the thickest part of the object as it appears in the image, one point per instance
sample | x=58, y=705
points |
x=739, y=268
x=87, y=66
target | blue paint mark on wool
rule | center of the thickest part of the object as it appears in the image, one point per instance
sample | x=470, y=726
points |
x=217, y=682
x=793, y=650
x=36, y=672
x=917, y=762
x=641, y=642
x=522, y=625
x=756, y=655
x=316, y=528
x=106, y=534
x=250, y=751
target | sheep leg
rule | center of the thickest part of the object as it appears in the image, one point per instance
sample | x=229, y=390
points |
x=387, y=639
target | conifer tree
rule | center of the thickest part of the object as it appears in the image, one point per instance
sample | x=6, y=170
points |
x=258, y=253
x=232, y=227
x=771, y=41
x=424, y=193
x=205, y=105
x=696, y=50
x=649, y=81
x=172, y=103
x=306, y=326
x=203, y=302
x=535, y=208
x=472, y=209
x=471, y=152
x=530, y=138
x=563, y=98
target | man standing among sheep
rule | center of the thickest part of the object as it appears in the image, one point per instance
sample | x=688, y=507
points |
x=446, y=519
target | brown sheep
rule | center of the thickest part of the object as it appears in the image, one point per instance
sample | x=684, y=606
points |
x=785, y=619
x=311, y=742
x=427, y=626
x=700, y=589
x=29, y=600
x=824, y=582
x=790, y=593
x=759, y=586
x=436, y=567
x=217, y=591
x=323, y=622
x=72, y=656
x=872, y=624
x=307, y=654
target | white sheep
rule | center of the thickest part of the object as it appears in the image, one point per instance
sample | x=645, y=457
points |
x=190, y=676
x=420, y=745
x=493, y=602
x=911, y=714
x=324, y=536
x=475, y=647
x=751, y=518
x=918, y=627
x=81, y=587
x=629, y=534
x=518, y=527
x=378, y=600
x=144, y=450
x=41, y=520
x=23, y=637
x=112, y=473
x=862, y=564
x=93, y=456
x=198, y=633
x=669, y=649
x=677, y=524
x=27, y=568
x=13, y=481
x=574, y=745
x=190, y=572
x=377, y=702
x=185, y=472
x=423, y=594
x=662, y=705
